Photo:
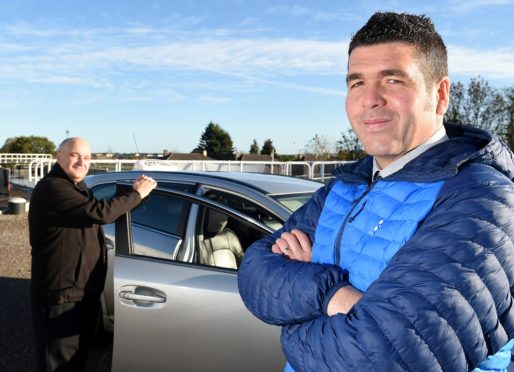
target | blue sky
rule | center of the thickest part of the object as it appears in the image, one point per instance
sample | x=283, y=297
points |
x=153, y=74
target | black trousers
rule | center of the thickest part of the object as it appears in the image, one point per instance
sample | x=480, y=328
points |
x=65, y=333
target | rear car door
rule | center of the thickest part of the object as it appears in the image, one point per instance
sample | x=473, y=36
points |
x=183, y=312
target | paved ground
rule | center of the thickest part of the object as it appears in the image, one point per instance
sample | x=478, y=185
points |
x=16, y=339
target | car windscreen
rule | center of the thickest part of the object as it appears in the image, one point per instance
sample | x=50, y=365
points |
x=292, y=201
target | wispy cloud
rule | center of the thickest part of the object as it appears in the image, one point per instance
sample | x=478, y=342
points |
x=249, y=21
x=494, y=64
x=459, y=6
x=114, y=58
x=95, y=60
x=446, y=8
x=316, y=15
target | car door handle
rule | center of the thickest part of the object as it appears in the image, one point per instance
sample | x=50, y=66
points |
x=140, y=297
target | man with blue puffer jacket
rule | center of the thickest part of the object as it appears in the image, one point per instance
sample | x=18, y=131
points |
x=412, y=260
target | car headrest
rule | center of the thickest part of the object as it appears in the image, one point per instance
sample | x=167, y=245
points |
x=216, y=222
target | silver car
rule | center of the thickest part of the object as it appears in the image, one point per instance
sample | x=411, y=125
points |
x=172, y=278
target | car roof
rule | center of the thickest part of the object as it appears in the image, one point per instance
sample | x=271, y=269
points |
x=270, y=184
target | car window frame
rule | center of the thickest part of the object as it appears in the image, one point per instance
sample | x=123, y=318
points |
x=123, y=228
x=205, y=188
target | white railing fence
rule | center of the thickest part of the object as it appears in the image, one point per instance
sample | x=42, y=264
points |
x=38, y=168
x=21, y=159
x=319, y=170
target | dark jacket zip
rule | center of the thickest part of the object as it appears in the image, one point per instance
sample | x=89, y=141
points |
x=349, y=219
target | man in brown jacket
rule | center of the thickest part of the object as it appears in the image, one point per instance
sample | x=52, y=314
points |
x=69, y=260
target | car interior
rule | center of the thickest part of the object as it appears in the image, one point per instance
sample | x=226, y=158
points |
x=245, y=206
x=222, y=240
x=219, y=245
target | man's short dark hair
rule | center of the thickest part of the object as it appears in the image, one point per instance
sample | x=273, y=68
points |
x=419, y=31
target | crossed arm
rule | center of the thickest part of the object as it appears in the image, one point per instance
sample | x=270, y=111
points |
x=296, y=245
x=279, y=290
x=283, y=288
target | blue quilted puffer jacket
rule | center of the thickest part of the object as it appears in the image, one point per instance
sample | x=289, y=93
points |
x=432, y=246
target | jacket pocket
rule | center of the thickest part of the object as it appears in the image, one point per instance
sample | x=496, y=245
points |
x=71, y=260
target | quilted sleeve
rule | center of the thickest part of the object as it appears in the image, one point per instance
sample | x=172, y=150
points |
x=281, y=291
x=443, y=303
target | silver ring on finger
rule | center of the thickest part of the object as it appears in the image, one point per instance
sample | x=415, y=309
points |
x=285, y=249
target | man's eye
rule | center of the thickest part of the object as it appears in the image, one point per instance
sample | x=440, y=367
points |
x=393, y=81
x=356, y=84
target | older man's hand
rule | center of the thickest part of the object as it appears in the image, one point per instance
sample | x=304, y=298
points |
x=144, y=185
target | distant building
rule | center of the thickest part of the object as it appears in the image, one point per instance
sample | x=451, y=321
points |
x=254, y=157
x=187, y=156
x=102, y=156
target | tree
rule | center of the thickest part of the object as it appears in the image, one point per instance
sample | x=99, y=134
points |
x=318, y=146
x=216, y=142
x=483, y=106
x=28, y=145
x=254, y=148
x=268, y=148
x=508, y=133
x=349, y=146
x=479, y=105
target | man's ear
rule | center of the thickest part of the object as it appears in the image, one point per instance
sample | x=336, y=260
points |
x=443, y=95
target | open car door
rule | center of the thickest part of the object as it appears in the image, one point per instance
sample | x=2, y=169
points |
x=180, y=309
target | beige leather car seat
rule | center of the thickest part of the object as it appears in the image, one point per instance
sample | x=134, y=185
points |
x=221, y=246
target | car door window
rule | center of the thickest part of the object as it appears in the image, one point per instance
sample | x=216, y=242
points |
x=158, y=226
x=222, y=240
x=104, y=191
x=158, y=222
x=161, y=213
x=245, y=206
